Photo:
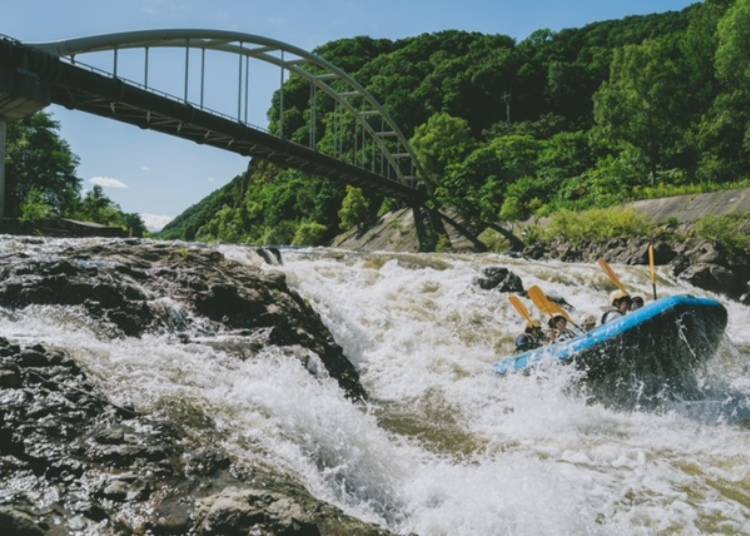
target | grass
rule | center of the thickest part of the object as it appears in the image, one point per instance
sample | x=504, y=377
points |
x=656, y=192
x=598, y=224
x=730, y=231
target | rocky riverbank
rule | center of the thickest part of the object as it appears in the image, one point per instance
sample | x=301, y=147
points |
x=701, y=263
x=72, y=461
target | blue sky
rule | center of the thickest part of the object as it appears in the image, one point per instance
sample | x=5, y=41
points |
x=160, y=176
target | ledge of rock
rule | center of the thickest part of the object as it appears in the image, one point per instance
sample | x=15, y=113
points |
x=71, y=462
x=703, y=264
x=123, y=284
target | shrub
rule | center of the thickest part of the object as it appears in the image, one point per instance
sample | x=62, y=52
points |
x=310, y=234
x=354, y=208
x=598, y=225
x=729, y=231
x=278, y=235
x=443, y=244
x=35, y=207
x=494, y=241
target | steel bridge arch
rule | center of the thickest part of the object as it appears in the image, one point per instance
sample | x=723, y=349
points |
x=261, y=49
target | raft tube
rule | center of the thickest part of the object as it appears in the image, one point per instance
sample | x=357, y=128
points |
x=655, y=348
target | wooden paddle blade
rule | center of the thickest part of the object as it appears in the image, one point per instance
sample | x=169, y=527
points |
x=540, y=300
x=604, y=265
x=558, y=310
x=652, y=267
x=652, y=262
x=521, y=309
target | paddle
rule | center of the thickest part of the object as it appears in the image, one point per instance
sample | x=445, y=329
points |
x=604, y=265
x=652, y=267
x=521, y=309
x=550, y=308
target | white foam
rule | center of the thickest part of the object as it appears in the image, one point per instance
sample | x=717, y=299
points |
x=445, y=447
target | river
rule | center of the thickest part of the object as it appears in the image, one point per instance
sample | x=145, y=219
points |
x=445, y=446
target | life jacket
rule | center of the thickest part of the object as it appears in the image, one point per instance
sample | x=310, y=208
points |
x=611, y=314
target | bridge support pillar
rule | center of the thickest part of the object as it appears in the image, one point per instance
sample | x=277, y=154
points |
x=3, y=139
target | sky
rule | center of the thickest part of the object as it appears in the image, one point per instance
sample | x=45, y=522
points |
x=159, y=176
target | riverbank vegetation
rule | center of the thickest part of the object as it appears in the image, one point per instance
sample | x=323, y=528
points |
x=42, y=182
x=731, y=232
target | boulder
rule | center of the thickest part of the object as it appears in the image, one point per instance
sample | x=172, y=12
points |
x=19, y=523
x=124, y=285
x=500, y=278
x=107, y=469
x=712, y=277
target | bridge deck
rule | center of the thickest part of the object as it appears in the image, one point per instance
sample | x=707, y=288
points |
x=78, y=88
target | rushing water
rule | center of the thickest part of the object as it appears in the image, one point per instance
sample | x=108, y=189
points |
x=444, y=445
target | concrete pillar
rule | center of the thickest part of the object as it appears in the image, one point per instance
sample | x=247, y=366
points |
x=3, y=139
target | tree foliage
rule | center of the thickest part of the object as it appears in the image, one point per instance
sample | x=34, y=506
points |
x=598, y=115
x=42, y=181
x=355, y=209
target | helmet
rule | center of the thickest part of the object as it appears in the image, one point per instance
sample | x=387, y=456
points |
x=523, y=343
x=554, y=318
x=617, y=295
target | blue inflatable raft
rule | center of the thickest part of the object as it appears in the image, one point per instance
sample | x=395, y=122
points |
x=652, y=350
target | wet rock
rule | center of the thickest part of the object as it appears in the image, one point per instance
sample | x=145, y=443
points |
x=19, y=523
x=700, y=262
x=712, y=277
x=260, y=511
x=173, y=517
x=116, y=490
x=534, y=252
x=9, y=378
x=106, y=469
x=127, y=286
x=500, y=278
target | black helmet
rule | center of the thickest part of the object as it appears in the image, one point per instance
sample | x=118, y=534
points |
x=523, y=342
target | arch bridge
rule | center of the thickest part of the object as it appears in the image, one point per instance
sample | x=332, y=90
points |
x=364, y=146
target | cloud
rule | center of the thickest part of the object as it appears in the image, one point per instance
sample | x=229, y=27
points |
x=211, y=180
x=145, y=168
x=108, y=182
x=155, y=222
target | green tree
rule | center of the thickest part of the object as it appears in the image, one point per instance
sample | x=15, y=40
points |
x=441, y=141
x=733, y=53
x=39, y=159
x=134, y=224
x=310, y=234
x=35, y=207
x=355, y=210
x=646, y=101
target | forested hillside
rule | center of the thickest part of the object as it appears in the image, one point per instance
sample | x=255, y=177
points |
x=642, y=106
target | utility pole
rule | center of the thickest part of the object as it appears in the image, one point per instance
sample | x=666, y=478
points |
x=506, y=100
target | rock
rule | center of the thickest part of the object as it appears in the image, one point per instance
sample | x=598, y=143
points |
x=500, y=278
x=712, y=277
x=125, y=286
x=534, y=252
x=664, y=253
x=19, y=523
x=9, y=378
x=260, y=511
x=173, y=517
x=116, y=490
x=31, y=358
x=102, y=466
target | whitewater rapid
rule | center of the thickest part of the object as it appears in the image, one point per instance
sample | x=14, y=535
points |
x=444, y=446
